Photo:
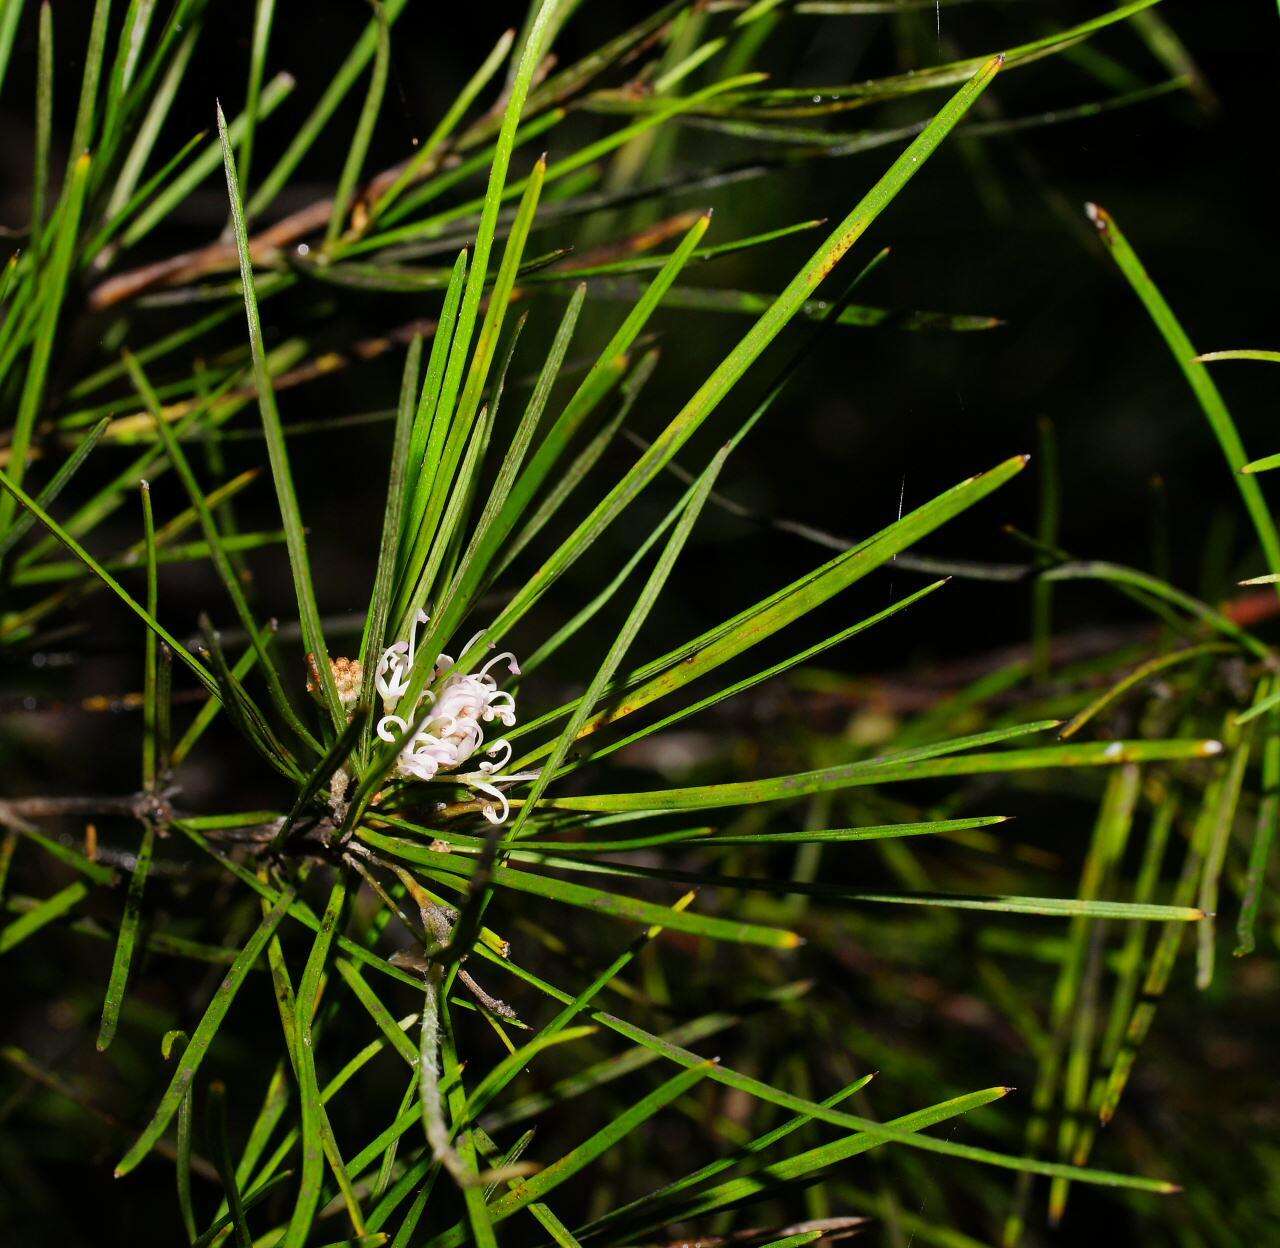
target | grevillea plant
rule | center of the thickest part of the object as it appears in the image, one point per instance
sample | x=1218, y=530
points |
x=456, y=879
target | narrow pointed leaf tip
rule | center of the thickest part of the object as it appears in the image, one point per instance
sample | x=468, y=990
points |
x=1215, y=357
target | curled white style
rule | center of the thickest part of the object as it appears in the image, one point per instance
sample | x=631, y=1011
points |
x=453, y=731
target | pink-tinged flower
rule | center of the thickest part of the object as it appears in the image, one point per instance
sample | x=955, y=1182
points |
x=452, y=732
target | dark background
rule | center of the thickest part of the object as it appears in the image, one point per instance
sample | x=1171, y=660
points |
x=877, y=418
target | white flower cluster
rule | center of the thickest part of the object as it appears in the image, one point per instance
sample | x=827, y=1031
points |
x=453, y=731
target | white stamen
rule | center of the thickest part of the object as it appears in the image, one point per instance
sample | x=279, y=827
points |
x=451, y=733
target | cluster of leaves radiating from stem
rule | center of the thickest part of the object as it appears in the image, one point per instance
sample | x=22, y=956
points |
x=362, y=854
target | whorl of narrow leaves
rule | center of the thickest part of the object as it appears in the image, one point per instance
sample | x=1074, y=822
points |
x=375, y=887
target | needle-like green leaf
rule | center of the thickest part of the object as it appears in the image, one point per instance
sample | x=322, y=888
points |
x=310, y=131
x=428, y=153
x=86, y=111
x=204, y=1035
x=218, y=550
x=179, y=189
x=356, y=153
x=282, y=474
x=1093, y=754
x=618, y=906
x=127, y=938
x=48, y=911
x=304, y=1209
x=201, y=672
x=66, y=470
x=53, y=288
x=802, y=596
x=696, y=499
x=44, y=123
x=538, y=1185
x=710, y=394
x=1201, y=383
x=263, y=17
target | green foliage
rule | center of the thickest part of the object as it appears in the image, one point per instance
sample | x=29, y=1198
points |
x=379, y=886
